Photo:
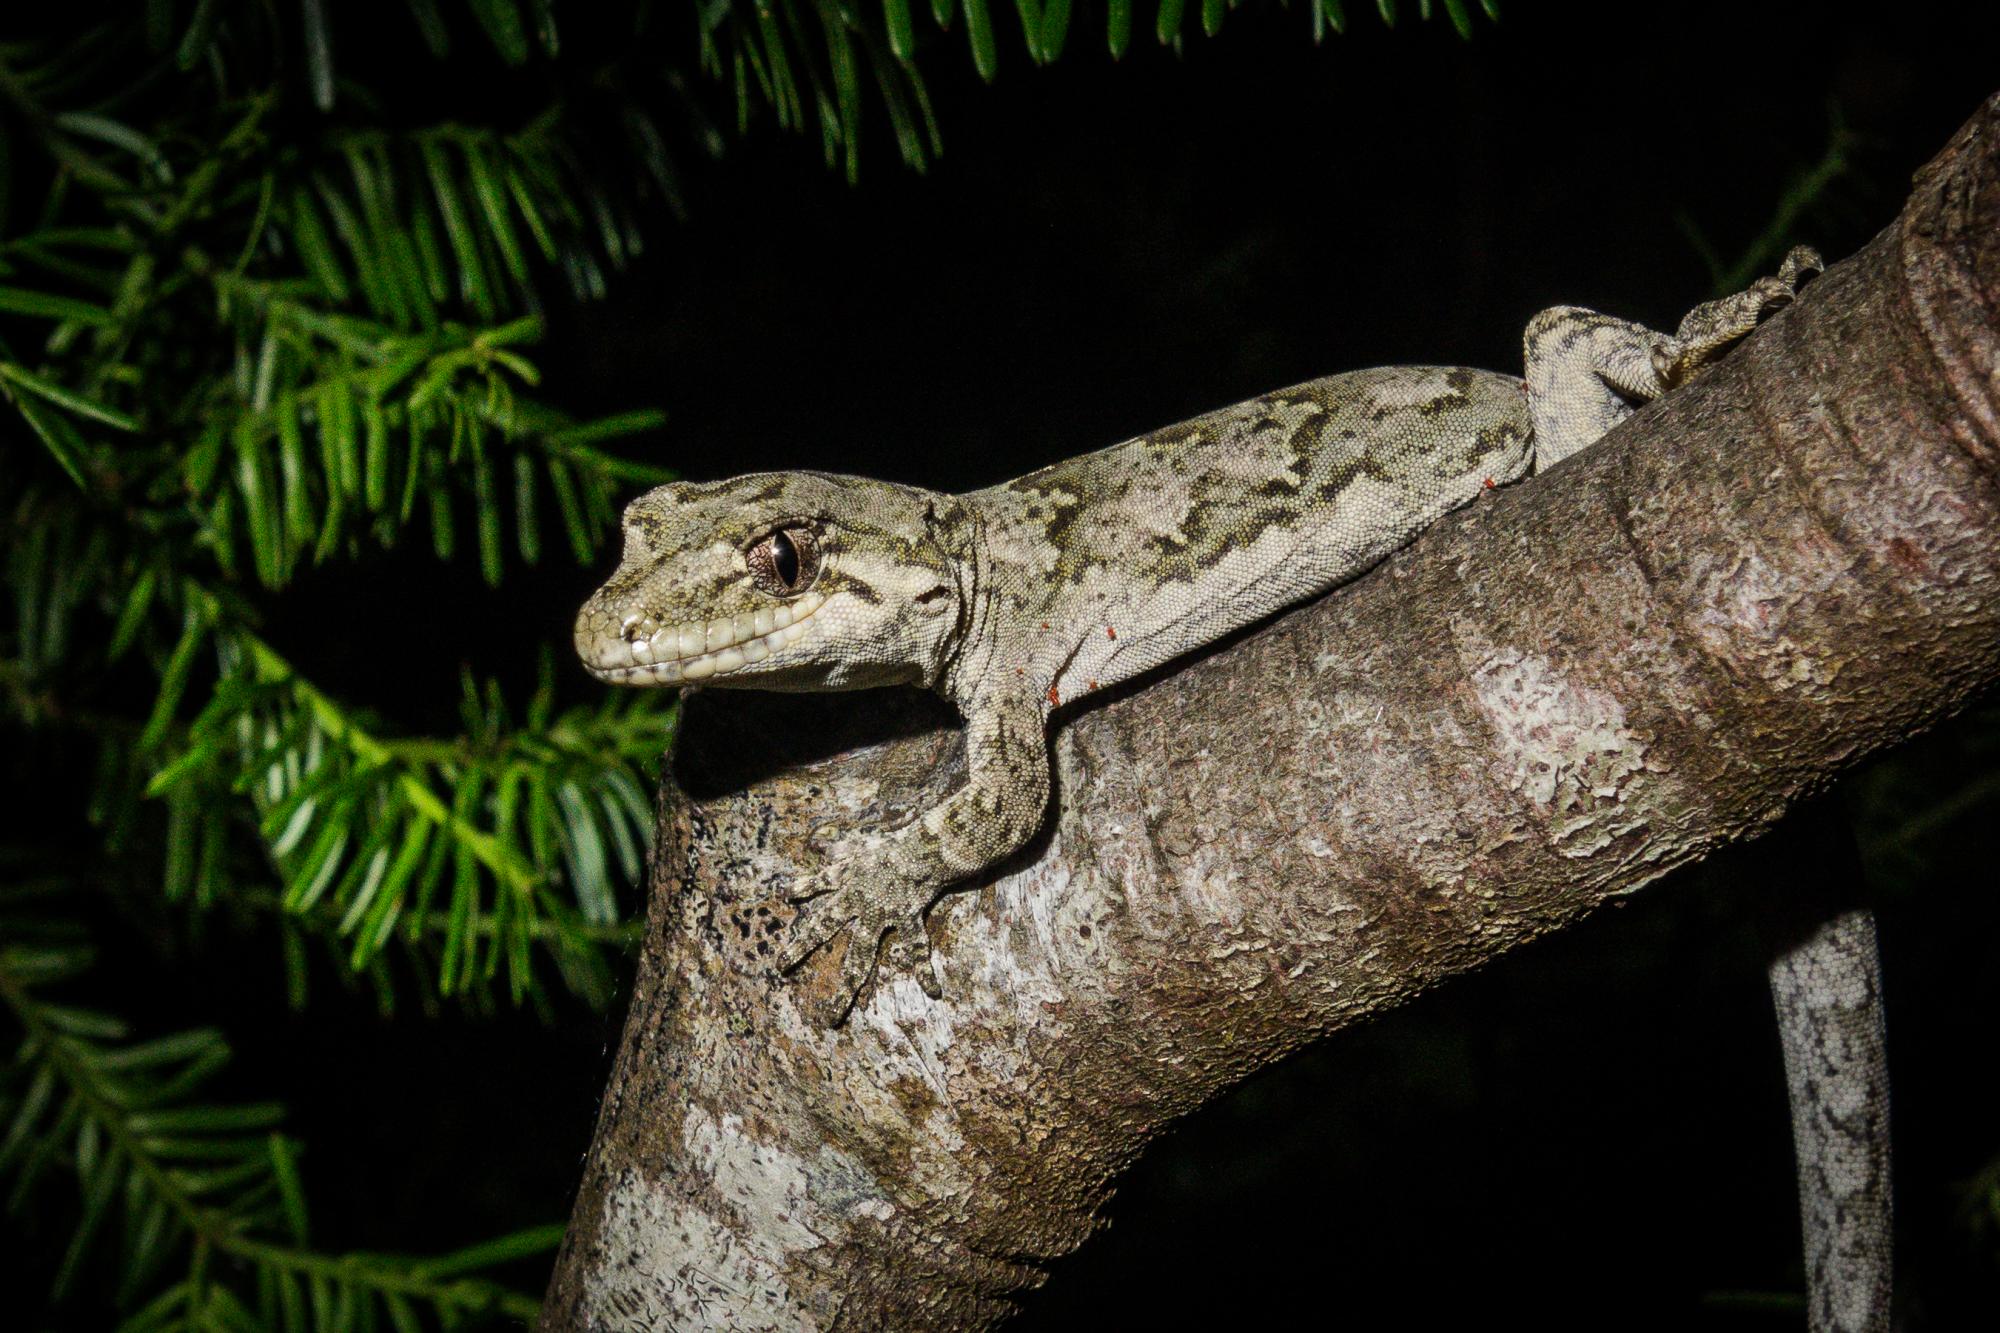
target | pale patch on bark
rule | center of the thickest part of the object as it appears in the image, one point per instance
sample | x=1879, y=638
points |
x=1749, y=602
x=789, y=1203
x=677, y=1268
x=1026, y=978
x=684, y=1267
x=1564, y=746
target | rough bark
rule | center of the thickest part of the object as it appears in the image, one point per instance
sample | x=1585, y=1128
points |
x=1555, y=697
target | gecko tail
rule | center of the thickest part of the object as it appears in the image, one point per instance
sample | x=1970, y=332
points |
x=1826, y=983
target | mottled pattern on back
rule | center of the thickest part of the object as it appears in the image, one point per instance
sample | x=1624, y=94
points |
x=1022, y=598
x=1185, y=533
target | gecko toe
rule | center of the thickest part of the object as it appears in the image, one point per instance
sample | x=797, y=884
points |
x=812, y=929
x=856, y=969
x=808, y=888
x=831, y=1011
x=1801, y=265
x=1773, y=295
x=910, y=951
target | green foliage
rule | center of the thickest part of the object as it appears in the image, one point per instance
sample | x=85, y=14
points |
x=1813, y=198
x=461, y=845
x=459, y=850
x=241, y=339
x=267, y=308
x=201, y=1202
x=815, y=60
x=251, y=346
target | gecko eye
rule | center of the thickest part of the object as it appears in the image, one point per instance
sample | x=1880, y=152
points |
x=785, y=559
x=785, y=563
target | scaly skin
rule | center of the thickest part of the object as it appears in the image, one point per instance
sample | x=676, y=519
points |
x=1023, y=597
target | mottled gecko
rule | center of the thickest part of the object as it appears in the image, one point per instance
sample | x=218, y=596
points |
x=1026, y=596
x=1014, y=600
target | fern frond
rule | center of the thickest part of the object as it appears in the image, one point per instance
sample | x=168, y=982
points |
x=197, y=1207
x=1812, y=191
x=478, y=854
x=451, y=213
x=347, y=424
x=804, y=60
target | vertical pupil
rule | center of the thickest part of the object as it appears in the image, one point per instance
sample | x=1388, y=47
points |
x=785, y=559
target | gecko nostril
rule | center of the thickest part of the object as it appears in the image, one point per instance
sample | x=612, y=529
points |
x=629, y=629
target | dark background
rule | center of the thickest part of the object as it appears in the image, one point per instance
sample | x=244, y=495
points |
x=1590, y=1133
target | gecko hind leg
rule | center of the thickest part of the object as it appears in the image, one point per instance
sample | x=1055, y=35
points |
x=1713, y=327
x=1586, y=371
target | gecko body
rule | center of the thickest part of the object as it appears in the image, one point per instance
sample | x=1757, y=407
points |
x=1024, y=597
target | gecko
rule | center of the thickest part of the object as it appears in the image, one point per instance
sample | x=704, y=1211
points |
x=1023, y=598
x=1015, y=600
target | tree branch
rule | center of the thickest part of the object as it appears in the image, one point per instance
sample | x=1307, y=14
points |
x=1556, y=697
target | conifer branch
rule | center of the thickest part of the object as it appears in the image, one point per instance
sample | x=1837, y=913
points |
x=202, y=1204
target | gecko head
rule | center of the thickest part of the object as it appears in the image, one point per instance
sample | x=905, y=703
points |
x=780, y=581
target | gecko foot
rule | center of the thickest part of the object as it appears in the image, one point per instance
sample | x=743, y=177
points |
x=1713, y=327
x=868, y=902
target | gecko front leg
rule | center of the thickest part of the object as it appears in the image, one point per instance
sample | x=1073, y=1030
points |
x=807, y=581
x=887, y=889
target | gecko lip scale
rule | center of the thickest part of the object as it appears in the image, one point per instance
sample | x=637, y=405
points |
x=694, y=652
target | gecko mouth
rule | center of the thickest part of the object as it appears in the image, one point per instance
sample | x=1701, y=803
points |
x=675, y=654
